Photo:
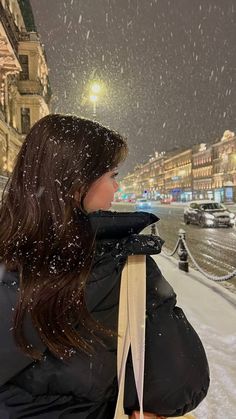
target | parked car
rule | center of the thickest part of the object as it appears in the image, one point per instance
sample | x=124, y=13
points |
x=142, y=203
x=208, y=214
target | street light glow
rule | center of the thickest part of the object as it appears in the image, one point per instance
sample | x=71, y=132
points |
x=95, y=92
x=93, y=98
x=95, y=88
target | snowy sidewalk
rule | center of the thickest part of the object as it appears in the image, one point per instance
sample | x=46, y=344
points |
x=211, y=310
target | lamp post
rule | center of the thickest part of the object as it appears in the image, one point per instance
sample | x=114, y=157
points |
x=95, y=89
x=93, y=99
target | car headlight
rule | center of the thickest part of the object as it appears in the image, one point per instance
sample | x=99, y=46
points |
x=232, y=215
x=209, y=216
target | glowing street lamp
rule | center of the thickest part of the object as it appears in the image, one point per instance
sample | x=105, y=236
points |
x=95, y=89
x=93, y=99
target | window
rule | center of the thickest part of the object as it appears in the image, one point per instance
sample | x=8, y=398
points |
x=24, y=61
x=212, y=206
x=25, y=120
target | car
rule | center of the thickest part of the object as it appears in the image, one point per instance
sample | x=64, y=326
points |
x=166, y=201
x=208, y=214
x=143, y=203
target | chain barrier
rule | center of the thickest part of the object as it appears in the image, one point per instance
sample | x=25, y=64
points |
x=183, y=252
x=173, y=252
x=206, y=274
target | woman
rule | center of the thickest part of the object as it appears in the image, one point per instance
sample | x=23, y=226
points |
x=59, y=293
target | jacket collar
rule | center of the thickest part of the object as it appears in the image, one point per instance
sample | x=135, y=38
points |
x=116, y=225
x=117, y=233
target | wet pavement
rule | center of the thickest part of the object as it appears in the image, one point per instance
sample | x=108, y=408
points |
x=214, y=249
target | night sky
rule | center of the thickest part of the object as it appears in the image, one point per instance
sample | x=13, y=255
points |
x=167, y=67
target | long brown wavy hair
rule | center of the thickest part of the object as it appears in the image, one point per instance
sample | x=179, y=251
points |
x=46, y=235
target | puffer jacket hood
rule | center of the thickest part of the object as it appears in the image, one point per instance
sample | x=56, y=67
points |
x=118, y=232
x=116, y=225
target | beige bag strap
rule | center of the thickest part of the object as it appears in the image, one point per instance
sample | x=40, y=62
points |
x=131, y=328
x=123, y=342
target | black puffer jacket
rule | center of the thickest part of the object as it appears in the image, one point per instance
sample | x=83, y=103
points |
x=176, y=370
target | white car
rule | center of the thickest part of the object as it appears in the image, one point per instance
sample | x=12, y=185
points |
x=208, y=214
x=143, y=203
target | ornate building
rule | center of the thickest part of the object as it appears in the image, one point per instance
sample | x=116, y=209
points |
x=24, y=85
x=178, y=176
x=202, y=172
x=224, y=168
x=207, y=171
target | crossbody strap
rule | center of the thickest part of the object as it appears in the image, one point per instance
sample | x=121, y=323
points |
x=131, y=328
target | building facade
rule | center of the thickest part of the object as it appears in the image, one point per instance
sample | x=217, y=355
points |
x=24, y=85
x=156, y=183
x=224, y=168
x=203, y=172
x=178, y=176
x=147, y=179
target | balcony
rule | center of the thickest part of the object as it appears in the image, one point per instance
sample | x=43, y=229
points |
x=34, y=87
x=29, y=36
x=30, y=87
x=10, y=28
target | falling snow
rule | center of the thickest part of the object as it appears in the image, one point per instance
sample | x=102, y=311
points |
x=167, y=71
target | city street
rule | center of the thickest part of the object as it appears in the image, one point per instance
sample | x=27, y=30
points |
x=213, y=248
x=134, y=102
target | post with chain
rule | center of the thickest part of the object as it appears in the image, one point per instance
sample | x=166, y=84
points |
x=182, y=252
x=154, y=230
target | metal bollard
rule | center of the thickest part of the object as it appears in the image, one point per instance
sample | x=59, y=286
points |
x=154, y=230
x=182, y=252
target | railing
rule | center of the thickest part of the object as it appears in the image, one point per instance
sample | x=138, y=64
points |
x=35, y=87
x=30, y=87
x=183, y=251
x=29, y=36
